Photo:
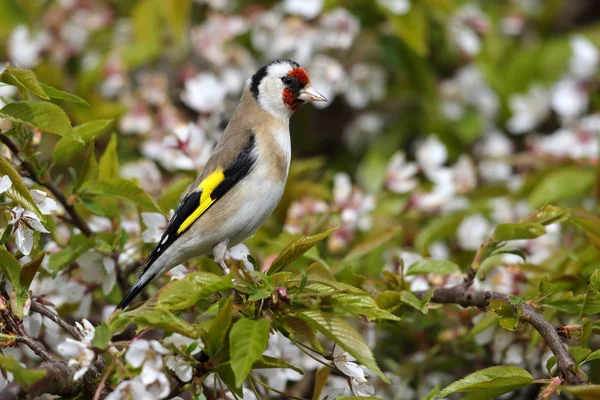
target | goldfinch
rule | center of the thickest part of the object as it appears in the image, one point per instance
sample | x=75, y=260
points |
x=244, y=178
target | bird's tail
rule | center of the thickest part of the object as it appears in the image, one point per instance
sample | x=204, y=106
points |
x=145, y=278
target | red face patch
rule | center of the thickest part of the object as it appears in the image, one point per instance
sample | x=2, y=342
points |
x=289, y=99
x=300, y=75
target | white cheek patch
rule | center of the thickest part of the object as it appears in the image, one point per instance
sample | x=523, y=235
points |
x=270, y=97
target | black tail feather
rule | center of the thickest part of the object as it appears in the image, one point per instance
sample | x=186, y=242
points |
x=135, y=290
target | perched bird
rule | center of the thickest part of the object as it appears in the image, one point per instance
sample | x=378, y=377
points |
x=244, y=178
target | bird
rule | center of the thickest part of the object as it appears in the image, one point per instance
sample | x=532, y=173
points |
x=244, y=178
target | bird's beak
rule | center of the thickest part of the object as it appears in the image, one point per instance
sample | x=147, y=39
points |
x=308, y=93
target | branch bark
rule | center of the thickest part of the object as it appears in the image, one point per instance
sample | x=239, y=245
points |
x=75, y=218
x=43, y=310
x=481, y=299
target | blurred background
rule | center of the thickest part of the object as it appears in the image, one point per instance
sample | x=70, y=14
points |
x=445, y=118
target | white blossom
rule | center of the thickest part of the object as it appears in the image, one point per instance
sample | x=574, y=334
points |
x=472, y=231
x=585, y=58
x=79, y=355
x=204, y=93
x=399, y=7
x=528, y=110
x=241, y=252
x=337, y=29
x=131, y=389
x=308, y=9
x=156, y=223
x=400, y=176
x=569, y=99
x=5, y=184
x=24, y=48
x=431, y=155
x=97, y=267
x=366, y=83
x=346, y=364
x=25, y=223
x=465, y=27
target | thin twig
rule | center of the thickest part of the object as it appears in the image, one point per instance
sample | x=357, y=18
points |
x=46, y=312
x=481, y=299
x=37, y=348
x=102, y=383
x=76, y=219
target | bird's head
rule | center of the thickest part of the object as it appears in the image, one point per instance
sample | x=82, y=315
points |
x=281, y=86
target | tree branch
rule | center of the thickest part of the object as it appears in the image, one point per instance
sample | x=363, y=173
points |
x=75, y=218
x=481, y=299
x=46, y=312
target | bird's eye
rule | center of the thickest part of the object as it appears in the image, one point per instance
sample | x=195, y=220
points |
x=287, y=81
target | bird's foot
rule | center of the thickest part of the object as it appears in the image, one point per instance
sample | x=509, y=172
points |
x=224, y=267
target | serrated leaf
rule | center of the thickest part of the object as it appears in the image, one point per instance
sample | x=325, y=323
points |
x=272, y=362
x=518, y=231
x=562, y=184
x=183, y=293
x=490, y=383
x=579, y=353
x=295, y=249
x=359, y=302
x=122, y=189
x=163, y=319
x=62, y=95
x=87, y=132
x=23, y=79
x=575, y=304
x=547, y=215
x=219, y=327
x=102, y=336
x=431, y=266
x=584, y=392
x=18, y=191
x=25, y=377
x=317, y=273
x=10, y=267
x=248, y=340
x=344, y=335
x=40, y=114
x=372, y=243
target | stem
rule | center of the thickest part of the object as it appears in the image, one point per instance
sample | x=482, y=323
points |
x=286, y=395
x=102, y=383
x=481, y=299
x=46, y=312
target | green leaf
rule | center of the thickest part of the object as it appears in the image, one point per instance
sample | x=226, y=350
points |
x=579, y=354
x=548, y=215
x=25, y=377
x=272, y=362
x=563, y=184
x=413, y=301
x=584, y=392
x=78, y=245
x=29, y=270
x=40, y=114
x=431, y=266
x=360, y=303
x=18, y=191
x=89, y=171
x=109, y=162
x=66, y=147
x=23, y=79
x=412, y=29
x=372, y=243
x=163, y=319
x=248, y=340
x=592, y=357
x=518, y=231
x=575, y=304
x=321, y=377
x=122, y=189
x=183, y=293
x=433, y=393
x=61, y=95
x=295, y=249
x=590, y=224
x=219, y=327
x=342, y=333
x=171, y=196
x=102, y=336
x=440, y=228
x=508, y=317
x=10, y=266
x=490, y=383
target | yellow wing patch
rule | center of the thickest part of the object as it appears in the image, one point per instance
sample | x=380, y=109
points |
x=206, y=187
